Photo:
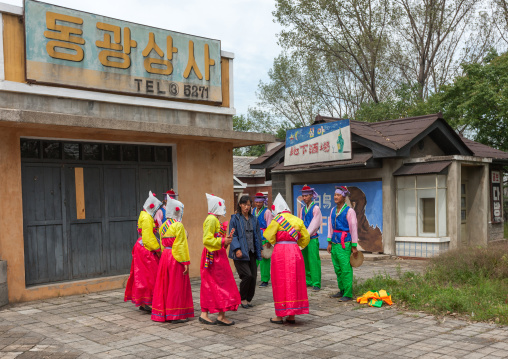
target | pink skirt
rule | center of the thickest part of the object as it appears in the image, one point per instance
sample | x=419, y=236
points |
x=144, y=266
x=288, y=280
x=172, y=296
x=219, y=292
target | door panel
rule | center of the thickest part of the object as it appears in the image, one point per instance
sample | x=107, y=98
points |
x=59, y=246
x=44, y=244
x=155, y=179
x=86, y=249
x=122, y=214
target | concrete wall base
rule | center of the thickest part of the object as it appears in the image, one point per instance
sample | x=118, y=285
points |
x=4, y=294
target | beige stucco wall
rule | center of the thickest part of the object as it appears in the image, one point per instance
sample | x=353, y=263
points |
x=201, y=167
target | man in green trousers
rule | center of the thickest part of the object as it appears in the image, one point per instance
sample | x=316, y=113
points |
x=264, y=217
x=312, y=218
x=342, y=241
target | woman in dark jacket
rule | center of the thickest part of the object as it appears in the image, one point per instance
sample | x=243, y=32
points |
x=245, y=248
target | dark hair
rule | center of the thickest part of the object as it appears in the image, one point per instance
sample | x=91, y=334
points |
x=242, y=200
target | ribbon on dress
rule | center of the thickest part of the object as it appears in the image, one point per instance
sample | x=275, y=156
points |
x=287, y=227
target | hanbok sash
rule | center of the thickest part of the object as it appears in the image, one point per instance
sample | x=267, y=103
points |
x=165, y=226
x=287, y=227
x=209, y=255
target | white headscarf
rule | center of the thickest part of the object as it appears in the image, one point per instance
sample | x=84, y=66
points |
x=174, y=209
x=216, y=205
x=152, y=204
x=280, y=205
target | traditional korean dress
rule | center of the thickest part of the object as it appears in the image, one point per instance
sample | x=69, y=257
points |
x=145, y=262
x=219, y=292
x=288, y=233
x=172, y=299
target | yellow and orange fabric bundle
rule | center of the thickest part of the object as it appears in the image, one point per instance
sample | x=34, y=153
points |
x=375, y=298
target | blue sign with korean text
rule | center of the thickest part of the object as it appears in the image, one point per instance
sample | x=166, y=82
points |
x=366, y=199
x=78, y=49
x=319, y=143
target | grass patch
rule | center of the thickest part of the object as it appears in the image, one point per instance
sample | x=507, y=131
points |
x=469, y=282
x=506, y=230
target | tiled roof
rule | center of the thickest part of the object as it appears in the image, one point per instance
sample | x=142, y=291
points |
x=411, y=169
x=358, y=159
x=482, y=150
x=241, y=167
x=394, y=134
x=268, y=154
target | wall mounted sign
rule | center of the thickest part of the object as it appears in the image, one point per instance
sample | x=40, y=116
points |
x=319, y=143
x=77, y=49
x=495, y=183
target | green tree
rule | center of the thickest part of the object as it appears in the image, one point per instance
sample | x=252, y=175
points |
x=476, y=104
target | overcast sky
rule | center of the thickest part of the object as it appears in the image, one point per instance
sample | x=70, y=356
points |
x=245, y=27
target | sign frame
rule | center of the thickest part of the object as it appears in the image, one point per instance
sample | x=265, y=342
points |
x=324, y=142
x=190, y=72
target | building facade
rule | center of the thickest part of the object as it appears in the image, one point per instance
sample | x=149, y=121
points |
x=418, y=188
x=94, y=113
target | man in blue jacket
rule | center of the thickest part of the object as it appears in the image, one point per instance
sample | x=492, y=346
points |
x=245, y=248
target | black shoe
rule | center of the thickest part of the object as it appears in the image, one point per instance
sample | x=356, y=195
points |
x=345, y=299
x=337, y=295
x=263, y=285
x=204, y=321
x=316, y=289
x=146, y=309
x=276, y=321
x=179, y=321
x=250, y=305
x=224, y=323
x=244, y=306
x=291, y=321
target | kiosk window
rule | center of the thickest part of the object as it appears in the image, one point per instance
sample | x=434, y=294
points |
x=421, y=206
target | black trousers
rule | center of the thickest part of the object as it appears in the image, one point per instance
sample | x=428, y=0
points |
x=248, y=272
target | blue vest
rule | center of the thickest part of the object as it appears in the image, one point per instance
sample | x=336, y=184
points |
x=307, y=218
x=340, y=223
x=261, y=218
x=163, y=209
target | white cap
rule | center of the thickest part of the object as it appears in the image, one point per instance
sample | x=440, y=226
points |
x=174, y=209
x=152, y=204
x=280, y=205
x=216, y=205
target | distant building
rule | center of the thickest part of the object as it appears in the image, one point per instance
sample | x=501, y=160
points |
x=418, y=188
x=249, y=181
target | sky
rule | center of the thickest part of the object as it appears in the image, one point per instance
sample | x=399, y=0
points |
x=245, y=27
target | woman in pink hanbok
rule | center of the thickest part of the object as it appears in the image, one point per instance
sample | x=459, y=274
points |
x=145, y=258
x=219, y=292
x=172, y=298
x=287, y=233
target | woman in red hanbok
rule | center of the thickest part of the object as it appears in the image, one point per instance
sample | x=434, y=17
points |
x=219, y=292
x=145, y=258
x=172, y=298
x=287, y=233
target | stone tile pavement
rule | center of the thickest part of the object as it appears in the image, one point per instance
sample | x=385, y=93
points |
x=101, y=325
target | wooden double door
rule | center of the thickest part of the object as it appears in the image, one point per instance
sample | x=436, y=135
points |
x=60, y=242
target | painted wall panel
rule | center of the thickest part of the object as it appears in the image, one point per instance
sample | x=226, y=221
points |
x=366, y=199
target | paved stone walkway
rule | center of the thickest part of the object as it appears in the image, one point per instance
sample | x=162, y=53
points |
x=101, y=325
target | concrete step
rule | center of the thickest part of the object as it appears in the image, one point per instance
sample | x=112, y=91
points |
x=367, y=256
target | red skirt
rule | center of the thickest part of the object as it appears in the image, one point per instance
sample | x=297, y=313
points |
x=288, y=280
x=219, y=292
x=172, y=296
x=144, y=266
